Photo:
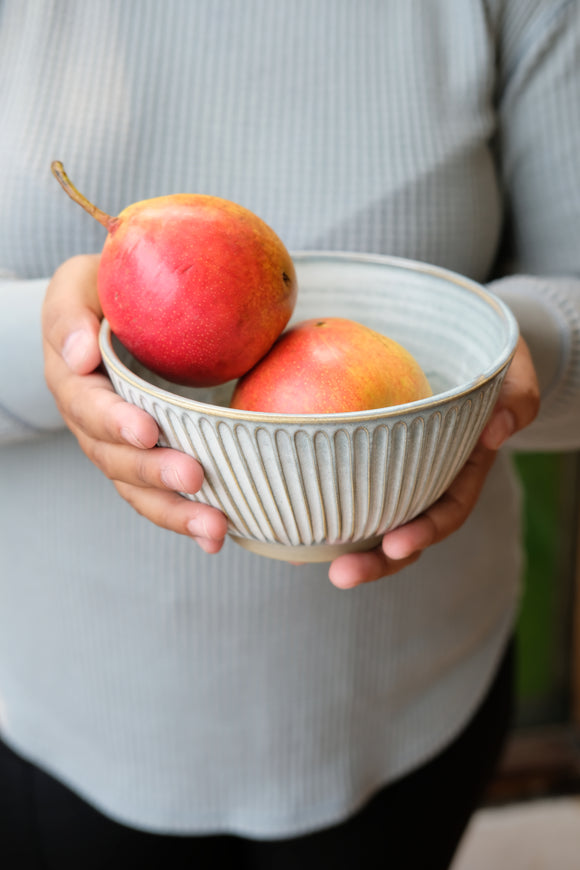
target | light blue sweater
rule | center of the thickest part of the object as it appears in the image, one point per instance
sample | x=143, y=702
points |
x=183, y=692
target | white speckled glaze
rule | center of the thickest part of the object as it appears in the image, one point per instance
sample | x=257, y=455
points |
x=307, y=488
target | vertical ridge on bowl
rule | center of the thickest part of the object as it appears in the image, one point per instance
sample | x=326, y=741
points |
x=287, y=458
x=345, y=483
x=379, y=465
x=330, y=501
x=310, y=473
x=272, y=469
x=426, y=476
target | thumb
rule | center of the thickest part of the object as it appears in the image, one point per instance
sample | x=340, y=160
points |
x=71, y=314
x=518, y=401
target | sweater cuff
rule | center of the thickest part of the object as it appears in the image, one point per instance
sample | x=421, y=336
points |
x=548, y=314
x=539, y=324
x=27, y=408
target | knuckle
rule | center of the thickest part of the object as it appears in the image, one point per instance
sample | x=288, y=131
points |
x=75, y=409
x=99, y=452
x=167, y=516
x=157, y=507
x=142, y=466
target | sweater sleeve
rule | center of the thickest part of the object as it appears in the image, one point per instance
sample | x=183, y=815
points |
x=539, y=159
x=27, y=408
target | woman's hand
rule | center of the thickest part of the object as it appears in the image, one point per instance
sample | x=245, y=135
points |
x=517, y=406
x=116, y=436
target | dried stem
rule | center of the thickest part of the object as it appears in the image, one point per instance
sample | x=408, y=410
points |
x=106, y=220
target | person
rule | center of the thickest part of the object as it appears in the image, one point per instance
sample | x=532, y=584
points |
x=165, y=696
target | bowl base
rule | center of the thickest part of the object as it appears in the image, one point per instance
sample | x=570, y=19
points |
x=305, y=553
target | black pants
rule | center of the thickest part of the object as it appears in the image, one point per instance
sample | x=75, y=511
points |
x=414, y=824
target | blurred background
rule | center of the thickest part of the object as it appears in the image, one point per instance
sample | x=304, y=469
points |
x=548, y=632
x=531, y=817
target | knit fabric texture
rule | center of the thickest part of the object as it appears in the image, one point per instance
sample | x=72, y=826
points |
x=181, y=692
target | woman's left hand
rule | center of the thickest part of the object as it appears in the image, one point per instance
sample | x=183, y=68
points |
x=517, y=405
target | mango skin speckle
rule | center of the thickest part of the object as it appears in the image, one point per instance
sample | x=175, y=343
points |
x=331, y=365
x=196, y=287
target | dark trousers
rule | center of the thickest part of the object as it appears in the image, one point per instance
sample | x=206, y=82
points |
x=415, y=823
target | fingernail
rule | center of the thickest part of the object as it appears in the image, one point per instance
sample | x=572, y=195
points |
x=398, y=553
x=76, y=348
x=199, y=529
x=193, y=528
x=129, y=436
x=171, y=479
x=206, y=533
x=500, y=429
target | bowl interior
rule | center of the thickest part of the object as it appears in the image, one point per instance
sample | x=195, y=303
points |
x=456, y=330
x=459, y=333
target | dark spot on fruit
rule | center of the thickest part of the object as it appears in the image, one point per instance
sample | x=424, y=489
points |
x=286, y=278
x=320, y=323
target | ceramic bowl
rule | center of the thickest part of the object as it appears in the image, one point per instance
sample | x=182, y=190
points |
x=309, y=487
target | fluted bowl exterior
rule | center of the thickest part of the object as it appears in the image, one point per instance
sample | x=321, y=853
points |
x=309, y=487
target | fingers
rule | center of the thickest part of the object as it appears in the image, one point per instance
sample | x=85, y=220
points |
x=88, y=403
x=163, y=468
x=151, y=481
x=205, y=524
x=353, y=569
x=518, y=402
x=517, y=406
x=447, y=514
x=403, y=546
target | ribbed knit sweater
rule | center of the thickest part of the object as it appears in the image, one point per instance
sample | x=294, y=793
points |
x=182, y=692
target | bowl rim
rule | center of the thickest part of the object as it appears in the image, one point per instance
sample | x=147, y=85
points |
x=112, y=360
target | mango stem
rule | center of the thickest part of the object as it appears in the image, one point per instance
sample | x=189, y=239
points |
x=105, y=219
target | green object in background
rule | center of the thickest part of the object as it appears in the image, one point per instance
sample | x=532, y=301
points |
x=543, y=631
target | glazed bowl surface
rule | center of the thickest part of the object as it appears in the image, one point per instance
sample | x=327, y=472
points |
x=310, y=487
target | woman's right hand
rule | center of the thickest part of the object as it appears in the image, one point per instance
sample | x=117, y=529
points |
x=117, y=437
